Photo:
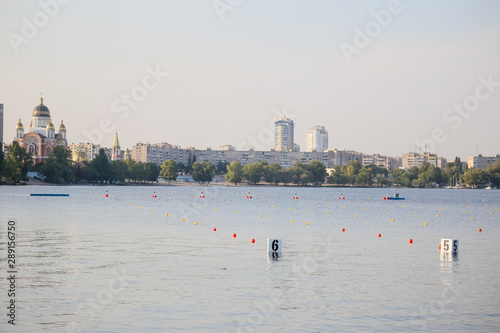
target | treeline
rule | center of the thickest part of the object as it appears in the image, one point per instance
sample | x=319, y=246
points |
x=59, y=168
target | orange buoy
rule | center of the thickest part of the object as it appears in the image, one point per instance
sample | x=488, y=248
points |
x=439, y=247
x=253, y=240
x=411, y=241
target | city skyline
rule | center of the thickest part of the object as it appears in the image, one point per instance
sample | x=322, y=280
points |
x=178, y=73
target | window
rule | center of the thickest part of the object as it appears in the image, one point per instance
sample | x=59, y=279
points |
x=32, y=149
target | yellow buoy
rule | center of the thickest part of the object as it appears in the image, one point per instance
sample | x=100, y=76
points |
x=307, y=223
x=166, y=214
x=153, y=210
x=260, y=215
x=307, y=210
x=329, y=212
x=385, y=210
x=236, y=211
x=410, y=212
x=183, y=219
x=392, y=220
x=355, y=215
x=196, y=223
x=438, y=215
x=293, y=221
x=425, y=223
x=472, y=218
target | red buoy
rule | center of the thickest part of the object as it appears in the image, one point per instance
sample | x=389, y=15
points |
x=234, y=235
x=439, y=247
x=215, y=229
x=106, y=195
x=480, y=230
x=343, y=229
x=411, y=241
x=253, y=240
x=379, y=235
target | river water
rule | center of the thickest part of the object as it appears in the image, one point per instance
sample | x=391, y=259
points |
x=90, y=263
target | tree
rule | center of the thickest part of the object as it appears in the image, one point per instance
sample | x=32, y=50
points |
x=119, y=171
x=493, y=173
x=474, y=177
x=273, y=173
x=221, y=168
x=318, y=172
x=101, y=166
x=17, y=163
x=364, y=176
x=338, y=176
x=253, y=172
x=287, y=176
x=352, y=170
x=58, y=166
x=169, y=170
x=234, y=173
x=152, y=172
x=400, y=177
x=203, y=172
x=301, y=173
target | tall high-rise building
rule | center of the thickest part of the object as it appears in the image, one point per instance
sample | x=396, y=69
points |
x=1, y=127
x=283, y=134
x=317, y=139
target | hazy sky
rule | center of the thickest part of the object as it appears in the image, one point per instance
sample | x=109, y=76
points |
x=379, y=83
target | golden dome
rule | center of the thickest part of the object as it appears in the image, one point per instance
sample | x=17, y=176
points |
x=41, y=110
x=62, y=127
x=80, y=156
x=50, y=125
x=19, y=125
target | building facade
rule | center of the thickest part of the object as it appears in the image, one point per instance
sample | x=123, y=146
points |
x=283, y=135
x=482, y=162
x=317, y=139
x=416, y=159
x=41, y=138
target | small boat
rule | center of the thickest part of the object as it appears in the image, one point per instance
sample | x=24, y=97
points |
x=395, y=197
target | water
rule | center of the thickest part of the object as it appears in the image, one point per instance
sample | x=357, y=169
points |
x=94, y=264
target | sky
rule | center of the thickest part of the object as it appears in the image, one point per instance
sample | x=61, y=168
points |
x=387, y=77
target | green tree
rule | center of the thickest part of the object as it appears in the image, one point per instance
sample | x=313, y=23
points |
x=119, y=171
x=58, y=167
x=318, y=172
x=101, y=166
x=17, y=163
x=493, y=173
x=364, y=176
x=221, y=168
x=273, y=173
x=301, y=173
x=138, y=172
x=152, y=171
x=287, y=176
x=474, y=177
x=253, y=172
x=203, y=172
x=352, y=170
x=400, y=177
x=234, y=173
x=169, y=170
x=338, y=176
